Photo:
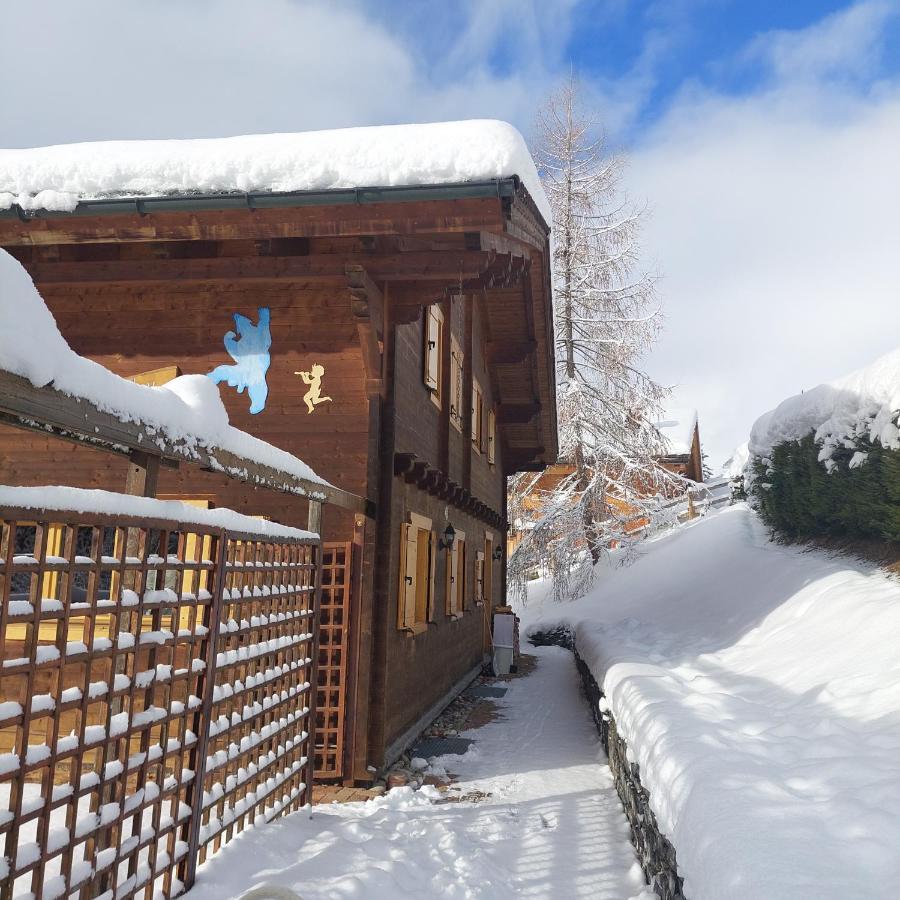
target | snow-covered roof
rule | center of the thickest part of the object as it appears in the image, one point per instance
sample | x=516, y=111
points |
x=677, y=427
x=187, y=409
x=56, y=178
x=69, y=499
x=865, y=402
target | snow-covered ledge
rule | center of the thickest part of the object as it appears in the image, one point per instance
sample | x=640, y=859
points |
x=58, y=499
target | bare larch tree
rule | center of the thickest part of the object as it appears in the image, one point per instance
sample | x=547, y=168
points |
x=606, y=319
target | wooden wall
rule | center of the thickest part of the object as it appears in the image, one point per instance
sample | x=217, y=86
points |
x=417, y=670
x=135, y=329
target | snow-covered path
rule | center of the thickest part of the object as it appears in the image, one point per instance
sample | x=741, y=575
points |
x=552, y=827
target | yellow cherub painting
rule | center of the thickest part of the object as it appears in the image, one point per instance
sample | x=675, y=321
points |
x=313, y=397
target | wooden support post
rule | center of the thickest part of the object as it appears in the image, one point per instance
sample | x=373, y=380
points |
x=143, y=474
x=314, y=517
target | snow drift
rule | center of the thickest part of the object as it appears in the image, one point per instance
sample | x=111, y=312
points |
x=756, y=689
x=56, y=178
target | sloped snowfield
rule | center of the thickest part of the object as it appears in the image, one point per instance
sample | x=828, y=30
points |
x=758, y=687
x=553, y=827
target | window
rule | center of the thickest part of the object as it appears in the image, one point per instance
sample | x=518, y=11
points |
x=492, y=437
x=477, y=415
x=434, y=352
x=415, y=604
x=456, y=385
x=456, y=577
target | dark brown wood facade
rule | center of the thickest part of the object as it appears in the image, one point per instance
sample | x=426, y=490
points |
x=350, y=287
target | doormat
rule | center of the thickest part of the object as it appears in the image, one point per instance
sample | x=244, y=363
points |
x=485, y=690
x=441, y=746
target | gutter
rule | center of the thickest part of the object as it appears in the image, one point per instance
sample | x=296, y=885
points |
x=502, y=188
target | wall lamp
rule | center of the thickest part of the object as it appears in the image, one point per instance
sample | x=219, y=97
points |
x=446, y=542
x=498, y=553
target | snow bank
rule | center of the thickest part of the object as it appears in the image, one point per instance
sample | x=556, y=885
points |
x=56, y=178
x=188, y=408
x=864, y=403
x=757, y=691
x=107, y=503
x=677, y=428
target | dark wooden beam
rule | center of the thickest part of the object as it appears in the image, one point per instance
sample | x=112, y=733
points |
x=367, y=307
x=445, y=266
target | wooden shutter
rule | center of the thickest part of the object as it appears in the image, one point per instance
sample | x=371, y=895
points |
x=431, y=612
x=456, y=384
x=456, y=576
x=491, y=437
x=406, y=601
x=476, y=415
x=488, y=573
x=461, y=575
x=433, y=321
x=479, y=576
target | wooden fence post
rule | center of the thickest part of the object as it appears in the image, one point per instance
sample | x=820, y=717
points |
x=314, y=525
x=202, y=719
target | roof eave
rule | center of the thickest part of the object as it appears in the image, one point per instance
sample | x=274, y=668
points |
x=502, y=188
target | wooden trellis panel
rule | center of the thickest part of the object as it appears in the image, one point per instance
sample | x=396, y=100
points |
x=332, y=668
x=154, y=698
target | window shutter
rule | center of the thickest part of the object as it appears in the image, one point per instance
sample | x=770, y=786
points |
x=476, y=415
x=450, y=598
x=432, y=559
x=491, y=436
x=479, y=576
x=461, y=576
x=406, y=601
x=488, y=569
x=432, y=348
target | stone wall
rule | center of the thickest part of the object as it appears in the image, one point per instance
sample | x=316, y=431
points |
x=655, y=852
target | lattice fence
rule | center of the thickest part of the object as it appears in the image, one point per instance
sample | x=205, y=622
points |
x=154, y=698
x=332, y=668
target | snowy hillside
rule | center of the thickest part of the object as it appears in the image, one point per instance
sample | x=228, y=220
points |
x=757, y=690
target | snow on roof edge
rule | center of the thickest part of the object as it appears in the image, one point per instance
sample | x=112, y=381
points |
x=57, y=498
x=58, y=177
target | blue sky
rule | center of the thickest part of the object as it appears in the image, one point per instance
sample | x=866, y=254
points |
x=762, y=138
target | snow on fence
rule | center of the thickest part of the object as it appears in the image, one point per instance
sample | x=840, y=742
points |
x=154, y=695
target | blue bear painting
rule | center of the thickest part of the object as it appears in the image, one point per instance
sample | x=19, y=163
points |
x=250, y=352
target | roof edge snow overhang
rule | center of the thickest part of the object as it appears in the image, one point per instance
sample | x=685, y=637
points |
x=503, y=188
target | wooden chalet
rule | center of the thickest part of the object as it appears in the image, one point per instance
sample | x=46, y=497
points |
x=407, y=357
x=683, y=456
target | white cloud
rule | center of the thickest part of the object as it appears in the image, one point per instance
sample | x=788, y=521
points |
x=775, y=226
x=846, y=43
